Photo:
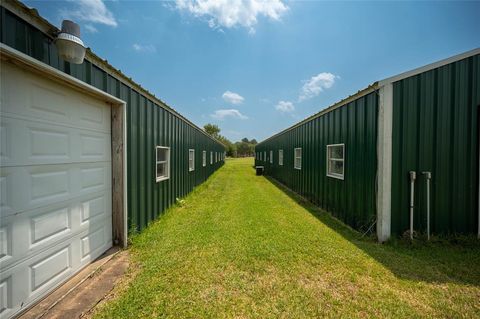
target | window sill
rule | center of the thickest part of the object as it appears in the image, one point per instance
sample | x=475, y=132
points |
x=341, y=177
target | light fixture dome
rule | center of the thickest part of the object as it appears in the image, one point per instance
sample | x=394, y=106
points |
x=69, y=45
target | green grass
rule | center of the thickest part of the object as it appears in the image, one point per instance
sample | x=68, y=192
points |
x=242, y=246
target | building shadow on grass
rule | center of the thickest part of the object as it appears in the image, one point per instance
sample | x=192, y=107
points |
x=447, y=260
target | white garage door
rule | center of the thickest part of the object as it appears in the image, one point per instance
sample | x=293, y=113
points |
x=55, y=186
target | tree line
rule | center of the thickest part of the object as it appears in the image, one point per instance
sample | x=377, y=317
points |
x=242, y=148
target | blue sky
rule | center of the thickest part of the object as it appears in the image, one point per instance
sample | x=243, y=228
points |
x=255, y=68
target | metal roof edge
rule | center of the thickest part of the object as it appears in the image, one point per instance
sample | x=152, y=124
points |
x=32, y=16
x=429, y=67
x=369, y=89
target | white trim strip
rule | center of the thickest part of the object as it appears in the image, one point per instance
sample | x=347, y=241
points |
x=13, y=56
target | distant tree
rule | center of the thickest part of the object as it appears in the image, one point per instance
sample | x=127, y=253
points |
x=243, y=149
x=212, y=129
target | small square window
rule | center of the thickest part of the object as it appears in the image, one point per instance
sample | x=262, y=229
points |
x=204, y=158
x=191, y=160
x=162, y=163
x=280, y=157
x=271, y=157
x=336, y=161
x=297, y=164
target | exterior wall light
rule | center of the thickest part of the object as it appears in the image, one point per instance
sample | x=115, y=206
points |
x=69, y=45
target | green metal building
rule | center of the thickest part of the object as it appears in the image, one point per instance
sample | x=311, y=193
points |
x=400, y=153
x=86, y=155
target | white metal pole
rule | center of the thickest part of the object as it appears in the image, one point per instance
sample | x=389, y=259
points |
x=412, y=200
x=428, y=176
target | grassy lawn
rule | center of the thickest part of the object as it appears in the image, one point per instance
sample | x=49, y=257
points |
x=242, y=247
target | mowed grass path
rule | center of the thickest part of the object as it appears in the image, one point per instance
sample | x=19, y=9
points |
x=241, y=247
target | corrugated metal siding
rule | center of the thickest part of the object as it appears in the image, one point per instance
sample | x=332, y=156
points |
x=352, y=200
x=435, y=128
x=148, y=124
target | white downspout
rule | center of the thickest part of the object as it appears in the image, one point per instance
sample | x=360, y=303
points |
x=412, y=200
x=428, y=176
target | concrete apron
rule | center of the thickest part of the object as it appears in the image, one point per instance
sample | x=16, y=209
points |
x=81, y=293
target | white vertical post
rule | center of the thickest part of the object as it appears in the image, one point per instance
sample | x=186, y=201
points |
x=428, y=176
x=384, y=157
x=412, y=200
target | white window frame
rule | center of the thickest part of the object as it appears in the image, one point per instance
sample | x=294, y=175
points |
x=295, y=157
x=335, y=175
x=167, y=162
x=204, y=158
x=191, y=160
x=271, y=157
x=280, y=157
x=211, y=157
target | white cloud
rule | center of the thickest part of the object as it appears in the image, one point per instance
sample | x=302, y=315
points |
x=93, y=11
x=232, y=13
x=90, y=28
x=233, y=98
x=147, y=48
x=317, y=84
x=222, y=114
x=285, y=106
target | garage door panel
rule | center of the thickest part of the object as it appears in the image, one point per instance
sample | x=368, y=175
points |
x=92, y=114
x=6, y=206
x=48, y=226
x=29, y=95
x=5, y=243
x=94, y=147
x=49, y=268
x=5, y=295
x=40, y=143
x=94, y=242
x=5, y=149
x=26, y=185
